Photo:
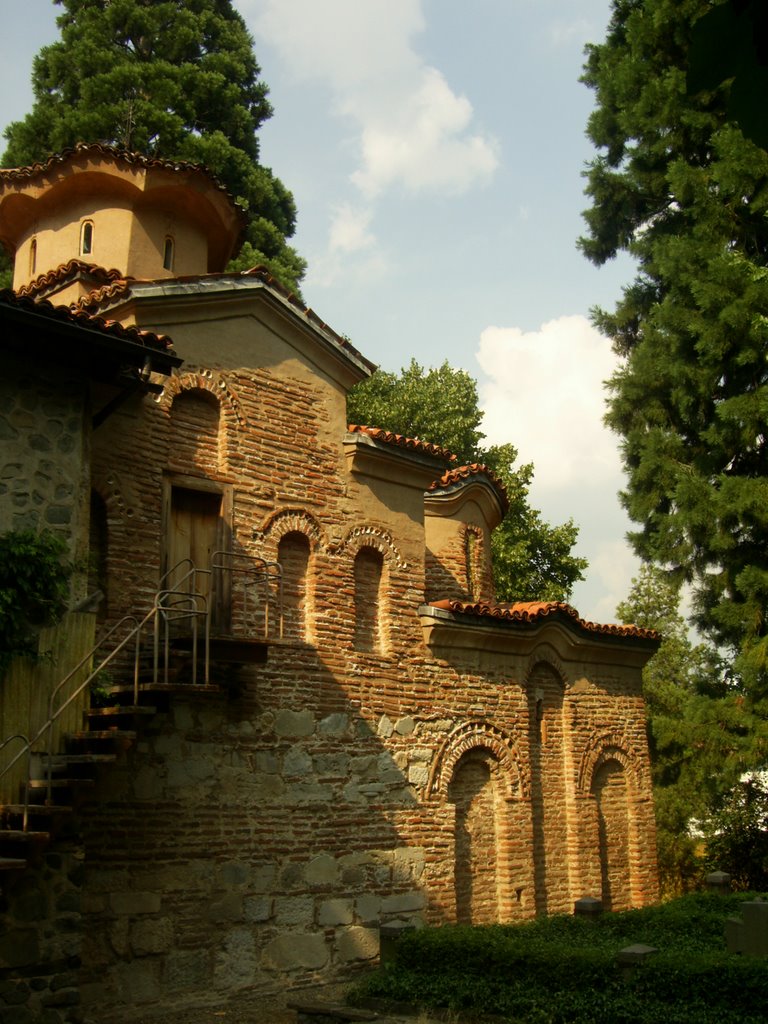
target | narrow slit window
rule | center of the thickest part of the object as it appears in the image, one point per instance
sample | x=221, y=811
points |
x=86, y=238
x=33, y=256
x=168, y=253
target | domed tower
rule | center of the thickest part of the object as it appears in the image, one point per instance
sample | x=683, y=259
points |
x=102, y=207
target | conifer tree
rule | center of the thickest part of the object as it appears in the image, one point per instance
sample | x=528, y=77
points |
x=175, y=79
x=677, y=184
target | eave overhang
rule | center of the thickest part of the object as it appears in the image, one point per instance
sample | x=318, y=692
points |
x=448, y=632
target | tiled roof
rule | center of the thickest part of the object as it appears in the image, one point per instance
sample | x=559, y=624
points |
x=67, y=272
x=400, y=441
x=529, y=612
x=459, y=474
x=42, y=307
x=124, y=156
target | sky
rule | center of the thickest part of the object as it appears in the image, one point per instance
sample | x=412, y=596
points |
x=436, y=155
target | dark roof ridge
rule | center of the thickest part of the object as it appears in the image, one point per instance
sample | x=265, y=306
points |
x=43, y=307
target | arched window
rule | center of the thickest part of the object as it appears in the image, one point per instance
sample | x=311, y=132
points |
x=86, y=238
x=609, y=788
x=369, y=570
x=33, y=257
x=473, y=792
x=293, y=556
x=168, y=253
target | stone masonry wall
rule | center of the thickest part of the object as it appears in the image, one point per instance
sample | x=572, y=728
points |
x=43, y=470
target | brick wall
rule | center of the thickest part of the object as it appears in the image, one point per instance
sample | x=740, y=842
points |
x=344, y=783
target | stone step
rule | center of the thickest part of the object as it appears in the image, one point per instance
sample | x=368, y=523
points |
x=121, y=711
x=118, y=736
x=36, y=810
x=12, y=864
x=57, y=762
x=12, y=835
x=38, y=784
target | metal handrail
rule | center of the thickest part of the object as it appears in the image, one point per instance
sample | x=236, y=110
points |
x=257, y=573
x=28, y=749
x=170, y=605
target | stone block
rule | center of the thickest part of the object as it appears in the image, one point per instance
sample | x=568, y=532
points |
x=368, y=908
x=133, y=903
x=322, y=870
x=297, y=763
x=402, y=903
x=228, y=907
x=151, y=935
x=405, y=726
x=335, y=912
x=385, y=727
x=19, y=947
x=291, y=911
x=257, y=909
x=295, y=950
x=294, y=723
x=138, y=981
x=236, y=960
x=334, y=725
x=358, y=943
x=184, y=969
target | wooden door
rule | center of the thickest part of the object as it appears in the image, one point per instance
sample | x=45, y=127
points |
x=194, y=533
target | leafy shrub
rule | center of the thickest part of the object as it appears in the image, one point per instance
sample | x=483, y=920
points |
x=34, y=589
x=562, y=970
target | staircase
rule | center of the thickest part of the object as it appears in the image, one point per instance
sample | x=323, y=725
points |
x=170, y=650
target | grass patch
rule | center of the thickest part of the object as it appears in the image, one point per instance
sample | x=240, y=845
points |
x=562, y=970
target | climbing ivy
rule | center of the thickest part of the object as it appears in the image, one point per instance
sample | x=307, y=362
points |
x=34, y=590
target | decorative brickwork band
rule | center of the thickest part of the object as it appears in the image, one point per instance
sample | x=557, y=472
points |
x=289, y=520
x=513, y=773
x=609, y=746
x=371, y=537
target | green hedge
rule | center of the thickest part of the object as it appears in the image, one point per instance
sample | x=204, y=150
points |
x=562, y=970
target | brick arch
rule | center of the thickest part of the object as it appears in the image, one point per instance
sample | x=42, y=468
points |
x=548, y=656
x=289, y=520
x=609, y=746
x=216, y=389
x=204, y=380
x=372, y=537
x=471, y=736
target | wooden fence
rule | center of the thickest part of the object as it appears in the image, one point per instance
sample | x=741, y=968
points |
x=26, y=689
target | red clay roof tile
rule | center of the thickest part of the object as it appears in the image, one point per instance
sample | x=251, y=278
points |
x=400, y=441
x=526, y=612
x=460, y=474
x=67, y=272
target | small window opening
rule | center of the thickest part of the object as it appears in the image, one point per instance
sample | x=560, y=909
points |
x=168, y=248
x=86, y=238
x=33, y=256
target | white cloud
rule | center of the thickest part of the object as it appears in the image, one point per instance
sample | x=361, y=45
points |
x=544, y=392
x=349, y=230
x=410, y=129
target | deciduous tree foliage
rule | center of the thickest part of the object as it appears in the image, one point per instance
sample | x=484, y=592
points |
x=676, y=184
x=532, y=560
x=176, y=79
